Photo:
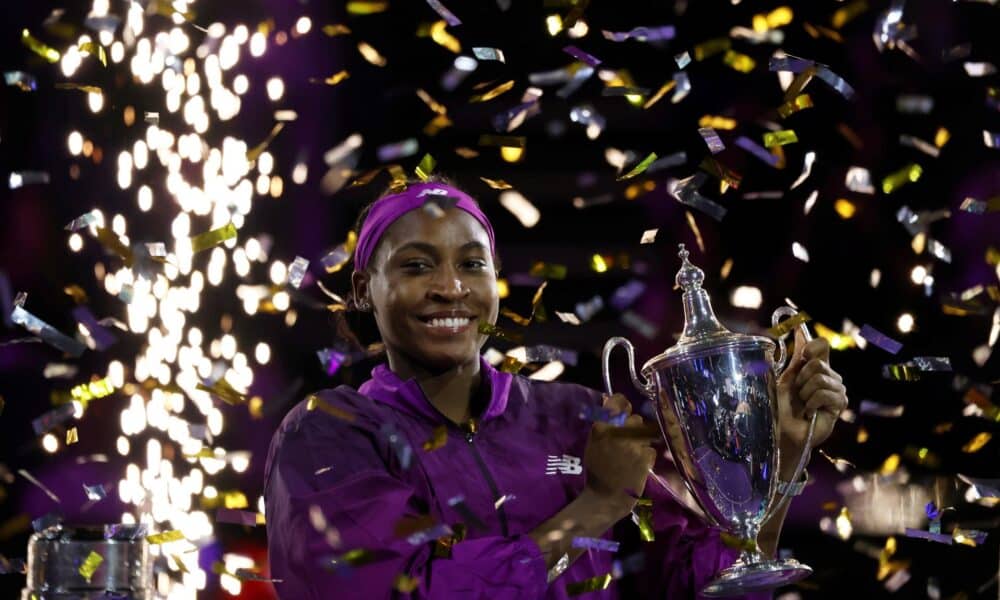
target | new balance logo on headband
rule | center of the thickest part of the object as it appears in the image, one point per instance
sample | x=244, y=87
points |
x=565, y=465
x=435, y=191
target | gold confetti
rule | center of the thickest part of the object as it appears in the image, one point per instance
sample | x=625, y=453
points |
x=711, y=47
x=332, y=79
x=439, y=437
x=315, y=402
x=204, y=241
x=164, y=537
x=72, y=436
x=113, y=244
x=507, y=141
x=548, y=270
x=492, y=330
x=779, y=138
x=601, y=582
x=359, y=7
x=977, y=443
x=660, y=93
x=223, y=390
x=511, y=365
x=801, y=102
x=639, y=168
x=799, y=83
x=95, y=49
x=493, y=93
x=844, y=208
x=739, y=62
x=426, y=167
x=371, y=54
x=39, y=47
x=909, y=173
x=85, y=392
x=845, y=14
x=439, y=33
x=788, y=324
x=90, y=89
x=717, y=122
x=497, y=184
x=90, y=565
x=235, y=500
x=76, y=293
x=431, y=103
x=694, y=229
x=405, y=584
x=336, y=29
x=254, y=153
x=890, y=465
x=941, y=137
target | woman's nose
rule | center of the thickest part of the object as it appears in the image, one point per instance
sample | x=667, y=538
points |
x=449, y=287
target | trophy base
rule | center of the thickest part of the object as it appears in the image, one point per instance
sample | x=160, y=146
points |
x=756, y=577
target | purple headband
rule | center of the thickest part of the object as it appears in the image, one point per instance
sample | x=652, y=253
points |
x=387, y=210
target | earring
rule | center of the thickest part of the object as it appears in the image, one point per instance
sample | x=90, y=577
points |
x=364, y=306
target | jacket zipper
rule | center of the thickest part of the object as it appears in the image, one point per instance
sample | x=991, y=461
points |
x=469, y=437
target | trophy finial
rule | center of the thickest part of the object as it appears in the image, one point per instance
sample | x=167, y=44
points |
x=690, y=277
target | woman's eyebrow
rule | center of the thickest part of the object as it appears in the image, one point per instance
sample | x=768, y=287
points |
x=434, y=250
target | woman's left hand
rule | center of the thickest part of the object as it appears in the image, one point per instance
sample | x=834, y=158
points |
x=808, y=385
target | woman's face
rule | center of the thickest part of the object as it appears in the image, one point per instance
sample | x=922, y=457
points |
x=430, y=282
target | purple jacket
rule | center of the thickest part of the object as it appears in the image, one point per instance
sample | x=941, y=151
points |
x=337, y=480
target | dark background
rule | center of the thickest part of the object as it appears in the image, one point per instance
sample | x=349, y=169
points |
x=559, y=163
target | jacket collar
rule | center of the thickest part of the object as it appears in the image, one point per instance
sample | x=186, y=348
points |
x=386, y=387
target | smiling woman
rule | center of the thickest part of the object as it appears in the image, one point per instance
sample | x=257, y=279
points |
x=442, y=477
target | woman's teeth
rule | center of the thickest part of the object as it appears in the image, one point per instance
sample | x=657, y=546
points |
x=458, y=322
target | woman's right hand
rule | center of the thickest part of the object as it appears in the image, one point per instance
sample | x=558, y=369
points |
x=618, y=459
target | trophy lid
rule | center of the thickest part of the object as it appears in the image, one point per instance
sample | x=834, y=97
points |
x=702, y=331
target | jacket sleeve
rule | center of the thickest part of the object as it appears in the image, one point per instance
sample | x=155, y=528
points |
x=324, y=466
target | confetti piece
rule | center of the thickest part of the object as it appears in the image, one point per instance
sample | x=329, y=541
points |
x=799, y=103
x=907, y=174
x=365, y=7
x=405, y=584
x=641, y=325
x=601, y=582
x=39, y=485
x=90, y=565
x=622, y=90
x=639, y=168
x=95, y=492
x=520, y=207
x=881, y=340
x=297, y=271
x=398, y=443
x=53, y=418
x=859, y=179
x=739, y=62
x=510, y=141
x=712, y=139
x=46, y=332
x=880, y=410
x=489, y=54
x=238, y=517
x=686, y=192
x=94, y=49
x=209, y=239
x=626, y=295
x=779, y=138
x=20, y=179
x=439, y=437
x=757, y=150
x=444, y=13
x=649, y=236
x=254, y=153
x=786, y=326
x=470, y=519
x=493, y=93
x=21, y=80
x=331, y=80
x=38, y=47
x=494, y=331
x=942, y=538
x=370, y=54
x=497, y=184
x=711, y=47
x=426, y=167
x=642, y=34
x=590, y=543
x=582, y=56
x=72, y=436
x=976, y=443
x=925, y=147
x=101, y=336
x=52, y=519
x=223, y=390
x=165, y=537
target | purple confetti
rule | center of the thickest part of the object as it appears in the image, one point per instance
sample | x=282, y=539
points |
x=880, y=410
x=595, y=544
x=757, y=150
x=927, y=535
x=53, y=418
x=398, y=444
x=95, y=492
x=712, y=139
x=627, y=294
x=880, y=339
x=238, y=517
x=125, y=531
x=581, y=55
x=445, y=14
x=45, y=521
x=789, y=63
x=427, y=535
x=330, y=359
x=642, y=34
x=103, y=338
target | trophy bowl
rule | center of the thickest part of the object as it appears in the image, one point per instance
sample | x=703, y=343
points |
x=715, y=394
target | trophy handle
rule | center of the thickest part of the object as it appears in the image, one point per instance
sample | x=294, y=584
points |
x=649, y=390
x=645, y=387
x=779, y=366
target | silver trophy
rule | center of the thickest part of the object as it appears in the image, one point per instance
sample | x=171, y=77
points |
x=56, y=555
x=716, y=397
